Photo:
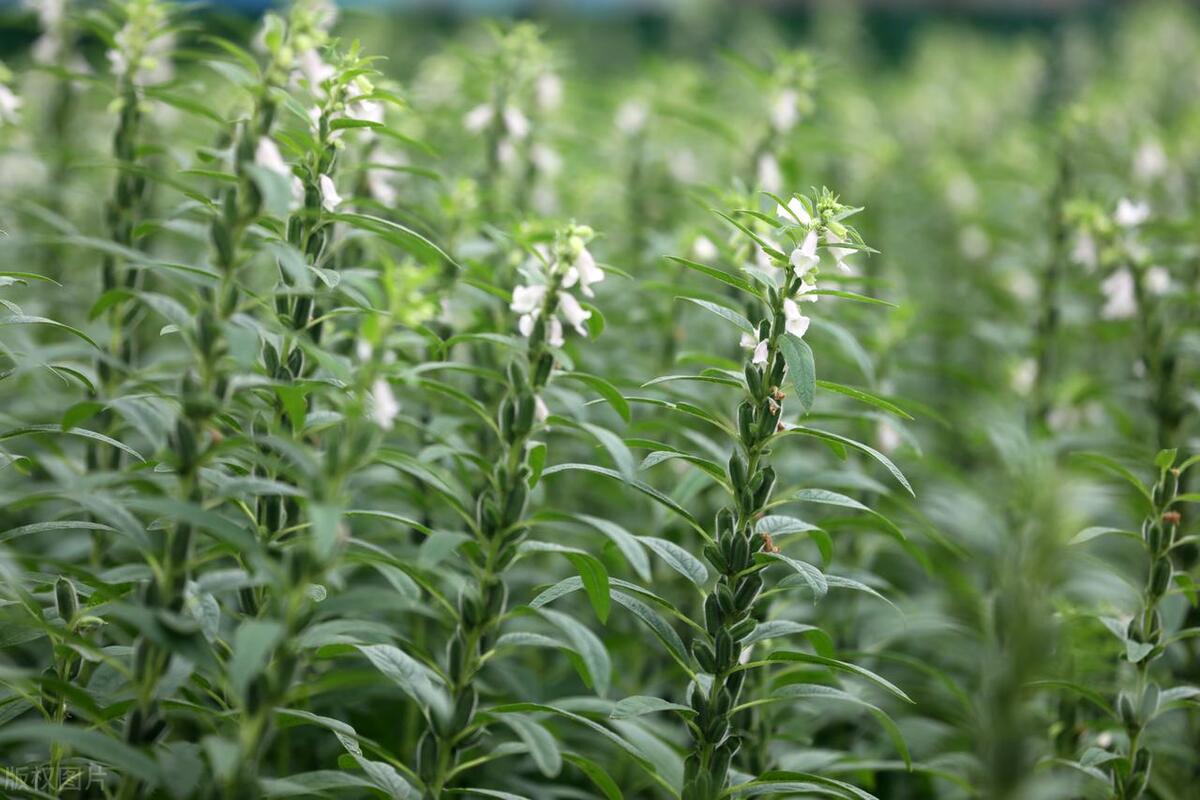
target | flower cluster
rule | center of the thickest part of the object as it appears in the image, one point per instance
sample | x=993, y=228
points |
x=813, y=226
x=140, y=48
x=568, y=264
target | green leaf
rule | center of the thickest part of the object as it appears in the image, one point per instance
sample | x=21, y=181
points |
x=253, y=643
x=637, y=705
x=644, y=488
x=543, y=747
x=727, y=278
x=593, y=657
x=605, y=389
x=591, y=571
x=727, y=314
x=801, y=430
x=819, y=692
x=841, y=666
x=865, y=397
x=801, y=370
x=678, y=559
x=26, y=319
x=596, y=775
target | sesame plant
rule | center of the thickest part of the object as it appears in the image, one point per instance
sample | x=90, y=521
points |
x=339, y=457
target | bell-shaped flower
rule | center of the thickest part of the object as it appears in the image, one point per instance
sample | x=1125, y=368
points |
x=575, y=314
x=554, y=332
x=804, y=259
x=1130, y=214
x=795, y=212
x=330, y=199
x=528, y=299
x=267, y=156
x=1120, y=295
x=770, y=174
x=478, y=118
x=1158, y=280
x=785, y=110
x=751, y=342
x=516, y=123
x=840, y=254
x=314, y=69
x=540, y=412
x=632, y=116
x=384, y=406
x=10, y=105
x=794, y=322
x=588, y=272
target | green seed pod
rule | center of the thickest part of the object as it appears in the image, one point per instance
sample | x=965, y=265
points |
x=734, y=683
x=713, y=618
x=703, y=655
x=715, y=558
x=526, y=407
x=768, y=416
x=181, y=545
x=222, y=243
x=777, y=371
x=456, y=658
x=739, y=556
x=514, y=508
x=541, y=372
x=464, y=709
x=725, y=654
x=754, y=380
x=1128, y=713
x=1160, y=577
x=690, y=767
x=725, y=597
x=725, y=522
x=763, y=492
x=719, y=769
x=743, y=629
x=295, y=362
x=66, y=598
x=737, y=470
x=517, y=378
x=716, y=729
x=745, y=419
x=427, y=757
x=1154, y=538
x=133, y=727
x=507, y=417
x=747, y=593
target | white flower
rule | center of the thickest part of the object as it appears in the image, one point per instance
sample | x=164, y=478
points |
x=314, y=69
x=267, y=156
x=785, y=110
x=751, y=342
x=1120, y=295
x=704, y=249
x=588, y=272
x=528, y=299
x=1084, y=252
x=545, y=159
x=770, y=176
x=1130, y=214
x=795, y=211
x=1158, y=280
x=1150, y=161
x=1024, y=375
x=576, y=314
x=516, y=122
x=330, y=199
x=632, y=116
x=554, y=332
x=363, y=349
x=887, y=438
x=540, y=412
x=478, y=118
x=840, y=254
x=10, y=105
x=380, y=179
x=384, y=406
x=506, y=152
x=794, y=322
x=973, y=242
x=804, y=258
x=549, y=91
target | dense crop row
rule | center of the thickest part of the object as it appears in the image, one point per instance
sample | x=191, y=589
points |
x=522, y=418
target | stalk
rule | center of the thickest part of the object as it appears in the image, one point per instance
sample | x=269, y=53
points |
x=500, y=527
x=1131, y=775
